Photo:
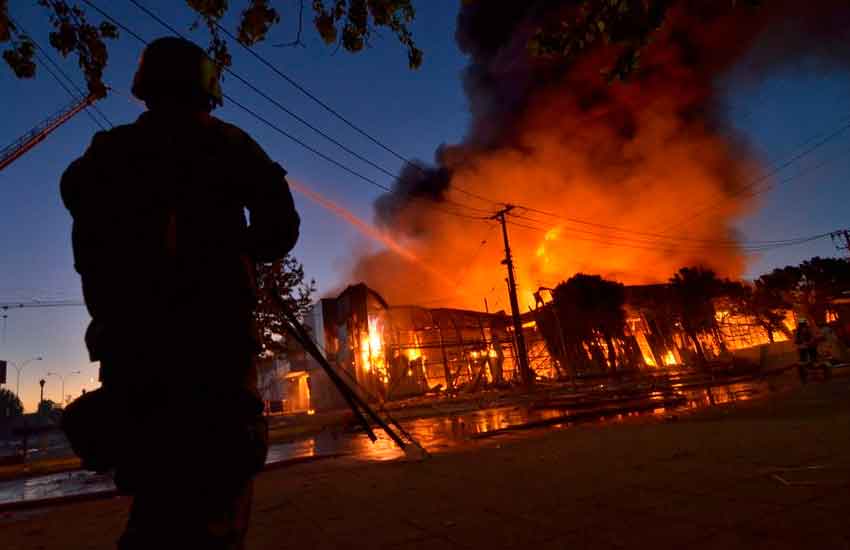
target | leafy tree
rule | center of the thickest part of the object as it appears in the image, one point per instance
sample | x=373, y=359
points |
x=811, y=285
x=48, y=407
x=627, y=26
x=694, y=290
x=349, y=23
x=590, y=310
x=290, y=284
x=10, y=404
x=767, y=307
x=822, y=280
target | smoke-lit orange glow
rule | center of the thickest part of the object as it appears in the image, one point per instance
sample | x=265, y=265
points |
x=577, y=184
x=368, y=230
x=610, y=164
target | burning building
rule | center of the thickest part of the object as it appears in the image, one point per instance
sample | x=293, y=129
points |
x=394, y=352
x=653, y=335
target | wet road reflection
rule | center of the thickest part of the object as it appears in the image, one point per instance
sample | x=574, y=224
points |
x=442, y=432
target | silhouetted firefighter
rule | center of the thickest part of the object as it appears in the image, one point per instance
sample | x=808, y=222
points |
x=166, y=259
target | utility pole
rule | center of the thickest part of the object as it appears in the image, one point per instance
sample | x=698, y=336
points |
x=524, y=368
x=837, y=237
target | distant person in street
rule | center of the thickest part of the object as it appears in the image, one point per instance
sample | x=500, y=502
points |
x=807, y=348
x=166, y=257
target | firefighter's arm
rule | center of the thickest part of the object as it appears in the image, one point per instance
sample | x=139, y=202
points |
x=274, y=222
x=79, y=190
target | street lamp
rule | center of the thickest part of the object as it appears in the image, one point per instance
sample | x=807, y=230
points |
x=62, y=378
x=19, y=367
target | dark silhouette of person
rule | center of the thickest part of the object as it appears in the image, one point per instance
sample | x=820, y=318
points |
x=166, y=258
x=807, y=348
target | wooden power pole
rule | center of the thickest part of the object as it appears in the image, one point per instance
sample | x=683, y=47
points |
x=842, y=239
x=524, y=369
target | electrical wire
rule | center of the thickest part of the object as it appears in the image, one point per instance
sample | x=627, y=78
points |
x=806, y=170
x=766, y=177
x=338, y=115
x=43, y=60
x=625, y=243
x=732, y=243
x=635, y=243
x=36, y=304
x=697, y=245
x=435, y=205
x=381, y=144
x=280, y=106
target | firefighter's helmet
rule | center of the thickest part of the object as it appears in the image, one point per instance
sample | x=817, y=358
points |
x=172, y=67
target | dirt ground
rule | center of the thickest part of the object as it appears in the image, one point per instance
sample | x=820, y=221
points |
x=773, y=473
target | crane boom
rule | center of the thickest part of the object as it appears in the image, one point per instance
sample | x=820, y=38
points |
x=19, y=147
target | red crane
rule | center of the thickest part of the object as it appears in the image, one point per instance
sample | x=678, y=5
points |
x=17, y=149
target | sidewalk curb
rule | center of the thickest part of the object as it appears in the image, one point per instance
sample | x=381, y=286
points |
x=23, y=505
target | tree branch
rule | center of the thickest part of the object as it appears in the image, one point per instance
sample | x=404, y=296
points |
x=297, y=41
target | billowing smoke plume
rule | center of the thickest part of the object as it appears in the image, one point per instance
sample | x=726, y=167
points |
x=646, y=155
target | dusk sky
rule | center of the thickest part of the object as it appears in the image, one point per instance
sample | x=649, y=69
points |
x=414, y=111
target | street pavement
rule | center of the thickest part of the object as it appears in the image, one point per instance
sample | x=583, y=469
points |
x=770, y=473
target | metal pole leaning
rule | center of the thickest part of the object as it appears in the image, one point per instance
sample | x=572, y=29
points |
x=357, y=404
x=354, y=400
x=292, y=326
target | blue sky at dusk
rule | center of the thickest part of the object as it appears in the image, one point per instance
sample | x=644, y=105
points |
x=414, y=111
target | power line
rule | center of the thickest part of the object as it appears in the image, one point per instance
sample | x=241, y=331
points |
x=648, y=245
x=379, y=143
x=313, y=150
x=791, y=178
x=336, y=113
x=668, y=244
x=843, y=128
x=67, y=89
x=637, y=245
x=664, y=234
x=283, y=108
x=270, y=99
x=754, y=245
x=662, y=240
x=38, y=304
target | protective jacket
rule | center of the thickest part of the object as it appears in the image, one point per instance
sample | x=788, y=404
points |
x=161, y=240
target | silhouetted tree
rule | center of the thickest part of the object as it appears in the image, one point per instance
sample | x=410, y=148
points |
x=811, y=285
x=767, y=307
x=627, y=26
x=290, y=283
x=591, y=309
x=47, y=407
x=822, y=280
x=348, y=23
x=694, y=290
x=10, y=404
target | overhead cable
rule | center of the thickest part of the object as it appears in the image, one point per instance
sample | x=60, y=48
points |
x=433, y=204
